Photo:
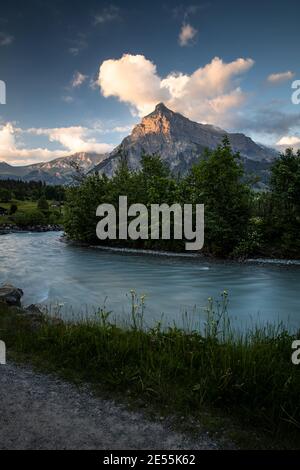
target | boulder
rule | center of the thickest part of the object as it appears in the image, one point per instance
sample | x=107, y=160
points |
x=33, y=309
x=10, y=294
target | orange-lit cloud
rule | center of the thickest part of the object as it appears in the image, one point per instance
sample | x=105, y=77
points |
x=276, y=78
x=206, y=95
x=289, y=141
x=187, y=35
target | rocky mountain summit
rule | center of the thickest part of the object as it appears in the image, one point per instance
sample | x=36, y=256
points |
x=180, y=142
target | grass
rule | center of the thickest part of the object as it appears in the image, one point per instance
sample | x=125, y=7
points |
x=25, y=207
x=249, y=378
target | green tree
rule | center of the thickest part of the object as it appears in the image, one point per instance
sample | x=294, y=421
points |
x=81, y=203
x=30, y=218
x=217, y=182
x=43, y=204
x=5, y=195
x=13, y=209
x=284, y=222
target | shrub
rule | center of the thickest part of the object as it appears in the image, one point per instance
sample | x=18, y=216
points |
x=43, y=204
x=13, y=209
x=30, y=218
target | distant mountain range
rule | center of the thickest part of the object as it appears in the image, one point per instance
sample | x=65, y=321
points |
x=175, y=138
x=58, y=171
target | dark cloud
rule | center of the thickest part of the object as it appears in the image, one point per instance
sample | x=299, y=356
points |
x=271, y=120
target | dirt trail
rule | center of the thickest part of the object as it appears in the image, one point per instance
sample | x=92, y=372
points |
x=39, y=411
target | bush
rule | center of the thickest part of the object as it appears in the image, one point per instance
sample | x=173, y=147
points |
x=252, y=243
x=30, y=218
x=5, y=195
x=43, y=204
x=55, y=218
x=13, y=209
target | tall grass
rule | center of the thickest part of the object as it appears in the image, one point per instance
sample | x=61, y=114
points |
x=249, y=375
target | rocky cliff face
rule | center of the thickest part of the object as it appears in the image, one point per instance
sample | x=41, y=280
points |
x=180, y=142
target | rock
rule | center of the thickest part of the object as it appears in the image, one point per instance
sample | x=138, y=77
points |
x=10, y=295
x=33, y=309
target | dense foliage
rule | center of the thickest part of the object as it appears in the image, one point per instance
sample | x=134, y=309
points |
x=29, y=190
x=30, y=204
x=238, y=220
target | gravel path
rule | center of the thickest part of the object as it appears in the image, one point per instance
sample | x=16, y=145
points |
x=39, y=411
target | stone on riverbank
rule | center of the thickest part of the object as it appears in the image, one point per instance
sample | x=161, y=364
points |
x=10, y=295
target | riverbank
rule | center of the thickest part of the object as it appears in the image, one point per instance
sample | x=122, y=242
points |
x=248, y=379
x=5, y=229
x=191, y=255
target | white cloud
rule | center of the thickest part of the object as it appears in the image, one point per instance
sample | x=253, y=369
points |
x=78, y=79
x=107, y=15
x=67, y=99
x=133, y=79
x=73, y=139
x=121, y=129
x=13, y=153
x=187, y=35
x=289, y=141
x=74, y=51
x=207, y=95
x=111, y=128
x=275, y=78
x=93, y=83
x=5, y=39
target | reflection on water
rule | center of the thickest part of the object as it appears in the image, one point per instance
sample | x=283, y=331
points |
x=82, y=279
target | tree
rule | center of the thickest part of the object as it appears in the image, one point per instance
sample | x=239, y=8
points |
x=81, y=203
x=155, y=181
x=43, y=204
x=13, y=209
x=284, y=223
x=30, y=218
x=5, y=195
x=216, y=182
x=285, y=180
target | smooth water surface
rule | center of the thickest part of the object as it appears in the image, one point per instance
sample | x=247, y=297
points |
x=80, y=280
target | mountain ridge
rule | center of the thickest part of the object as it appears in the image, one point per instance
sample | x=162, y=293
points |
x=180, y=142
x=57, y=171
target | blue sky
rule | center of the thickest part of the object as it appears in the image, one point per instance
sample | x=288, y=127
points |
x=229, y=63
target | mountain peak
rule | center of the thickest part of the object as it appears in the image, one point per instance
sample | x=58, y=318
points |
x=180, y=142
x=161, y=107
x=158, y=122
x=3, y=163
